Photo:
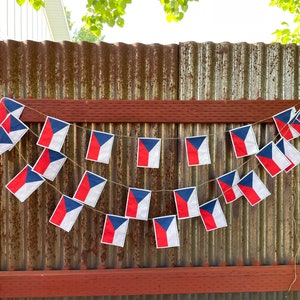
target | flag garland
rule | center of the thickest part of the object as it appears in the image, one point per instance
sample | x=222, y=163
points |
x=283, y=154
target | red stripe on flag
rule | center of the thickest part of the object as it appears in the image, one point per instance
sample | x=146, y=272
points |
x=182, y=207
x=143, y=155
x=132, y=206
x=270, y=165
x=83, y=189
x=161, y=235
x=18, y=181
x=59, y=213
x=109, y=232
x=250, y=194
x=46, y=135
x=193, y=156
x=94, y=149
x=208, y=219
x=43, y=162
x=284, y=130
x=239, y=145
x=227, y=191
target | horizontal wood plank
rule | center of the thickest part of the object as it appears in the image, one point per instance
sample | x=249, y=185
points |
x=148, y=281
x=154, y=111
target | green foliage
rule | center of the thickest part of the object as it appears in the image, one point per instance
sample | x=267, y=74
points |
x=175, y=9
x=288, y=34
x=85, y=35
x=111, y=12
x=101, y=12
x=37, y=4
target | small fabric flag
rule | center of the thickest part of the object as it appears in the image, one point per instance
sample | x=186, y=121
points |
x=282, y=122
x=244, y=141
x=295, y=123
x=212, y=215
x=49, y=163
x=228, y=186
x=14, y=128
x=66, y=213
x=90, y=188
x=291, y=153
x=115, y=229
x=253, y=188
x=5, y=142
x=100, y=146
x=197, y=150
x=186, y=201
x=138, y=203
x=53, y=134
x=25, y=183
x=12, y=106
x=272, y=159
x=148, y=152
x=166, y=232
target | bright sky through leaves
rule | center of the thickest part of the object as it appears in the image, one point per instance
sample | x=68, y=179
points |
x=207, y=20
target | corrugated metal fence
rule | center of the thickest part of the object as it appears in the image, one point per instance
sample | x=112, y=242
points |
x=265, y=234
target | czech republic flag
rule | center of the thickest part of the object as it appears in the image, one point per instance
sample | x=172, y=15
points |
x=115, y=229
x=166, y=232
x=25, y=183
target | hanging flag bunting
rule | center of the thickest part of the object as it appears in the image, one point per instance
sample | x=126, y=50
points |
x=49, y=163
x=253, y=188
x=295, y=123
x=228, y=186
x=115, y=229
x=100, y=146
x=291, y=153
x=212, y=215
x=66, y=213
x=148, y=152
x=186, y=201
x=12, y=106
x=90, y=188
x=5, y=142
x=138, y=203
x=25, y=183
x=272, y=159
x=166, y=232
x=197, y=150
x=14, y=127
x=244, y=141
x=53, y=134
x=282, y=121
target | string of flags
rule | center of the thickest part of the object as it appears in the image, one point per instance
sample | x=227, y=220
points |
x=273, y=157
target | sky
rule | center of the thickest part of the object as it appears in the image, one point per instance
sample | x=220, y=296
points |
x=215, y=21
